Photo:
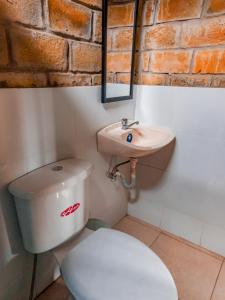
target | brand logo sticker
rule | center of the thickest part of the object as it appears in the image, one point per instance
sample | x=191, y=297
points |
x=70, y=210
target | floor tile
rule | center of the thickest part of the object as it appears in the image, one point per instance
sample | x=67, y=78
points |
x=145, y=233
x=194, y=271
x=197, y=272
x=56, y=291
x=219, y=291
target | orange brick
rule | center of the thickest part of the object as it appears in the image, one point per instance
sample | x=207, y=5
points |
x=122, y=39
x=177, y=61
x=218, y=81
x=123, y=78
x=204, y=33
x=69, y=79
x=24, y=11
x=215, y=7
x=70, y=18
x=85, y=57
x=148, y=10
x=178, y=10
x=97, y=79
x=119, y=62
x=190, y=80
x=4, y=58
x=22, y=80
x=153, y=79
x=39, y=51
x=121, y=15
x=161, y=36
x=209, y=61
x=145, y=58
x=93, y=3
x=97, y=27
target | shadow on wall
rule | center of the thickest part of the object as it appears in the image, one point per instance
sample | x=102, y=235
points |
x=15, y=278
x=108, y=199
x=36, y=130
x=158, y=161
x=10, y=158
x=37, y=127
x=33, y=132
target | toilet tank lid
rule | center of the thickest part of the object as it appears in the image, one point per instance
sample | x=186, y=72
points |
x=51, y=178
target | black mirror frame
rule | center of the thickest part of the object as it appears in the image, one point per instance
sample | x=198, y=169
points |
x=104, y=99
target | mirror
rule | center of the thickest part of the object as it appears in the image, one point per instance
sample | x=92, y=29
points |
x=119, y=27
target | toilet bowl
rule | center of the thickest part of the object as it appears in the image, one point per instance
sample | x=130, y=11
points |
x=52, y=204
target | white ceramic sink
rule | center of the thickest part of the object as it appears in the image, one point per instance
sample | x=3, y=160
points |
x=146, y=140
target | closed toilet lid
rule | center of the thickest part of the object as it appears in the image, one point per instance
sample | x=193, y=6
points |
x=111, y=265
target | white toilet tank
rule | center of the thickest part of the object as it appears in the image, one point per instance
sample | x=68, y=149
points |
x=52, y=203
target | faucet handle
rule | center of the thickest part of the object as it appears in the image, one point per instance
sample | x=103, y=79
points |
x=124, y=122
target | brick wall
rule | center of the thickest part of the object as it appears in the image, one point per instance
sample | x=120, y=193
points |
x=182, y=43
x=58, y=42
x=50, y=43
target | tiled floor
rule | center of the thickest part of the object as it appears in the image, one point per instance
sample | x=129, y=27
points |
x=56, y=291
x=198, y=273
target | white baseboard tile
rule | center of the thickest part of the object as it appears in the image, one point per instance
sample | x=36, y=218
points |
x=182, y=225
x=213, y=238
x=152, y=215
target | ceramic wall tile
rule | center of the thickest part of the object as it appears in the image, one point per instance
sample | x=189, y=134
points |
x=37, y=127
x=192, y=179
x=182, y=225
x=213, y=238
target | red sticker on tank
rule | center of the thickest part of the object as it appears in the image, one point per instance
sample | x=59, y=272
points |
x=70, y=210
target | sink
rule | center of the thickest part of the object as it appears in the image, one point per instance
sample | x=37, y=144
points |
x=145, y=139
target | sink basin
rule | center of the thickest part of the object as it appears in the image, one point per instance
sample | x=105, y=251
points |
x=145, y=140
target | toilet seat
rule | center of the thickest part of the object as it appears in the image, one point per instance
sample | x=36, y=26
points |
x=111, y=265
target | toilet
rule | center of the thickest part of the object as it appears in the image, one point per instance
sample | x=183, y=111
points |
x=52, y=205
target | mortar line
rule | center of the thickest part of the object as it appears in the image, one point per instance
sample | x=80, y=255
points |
x=214, y=287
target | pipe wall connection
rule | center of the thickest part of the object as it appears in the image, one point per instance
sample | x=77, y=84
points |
x=129, y=185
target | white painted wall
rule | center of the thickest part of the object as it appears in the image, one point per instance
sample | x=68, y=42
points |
x=187, y=196
x=39, y=126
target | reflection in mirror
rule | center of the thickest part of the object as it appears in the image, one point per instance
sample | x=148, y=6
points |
x=119, y=32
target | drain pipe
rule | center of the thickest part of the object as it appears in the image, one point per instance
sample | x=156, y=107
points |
x=130, y=186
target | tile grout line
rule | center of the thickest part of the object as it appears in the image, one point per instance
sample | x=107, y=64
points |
x=214, y=287
x=155, y=240
x=193, y=246
x=197, y=247
x=147, y=226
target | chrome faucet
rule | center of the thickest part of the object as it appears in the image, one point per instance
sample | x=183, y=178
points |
x=125, y=124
